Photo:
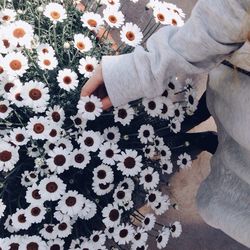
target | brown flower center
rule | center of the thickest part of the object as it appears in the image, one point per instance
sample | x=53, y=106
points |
x=161, y=17
x=3, y=108
x=67, y=80
x=89, y=141
x=1, y=70
x=20, y=137
x=8, y=86
x=19, y=32
x=53, y=133
x=35, y=94
x=114, y=215
x=35, y=211
x=112, y=19
x=122, y=113
x=35, y=194
x=92, y=23
x=56, y=116
x=6, y=43
x=32, y=246
x=6, y=18
x=174, y=22
x=129, y=162
x=123, y=233
x=47, y=62
x=101, y=174
x=70, y=201
x=59, y=160
x=89, y=67
x=130, y=36
x=148, y=178
x=38, y=128
x=51, y=187
x=63, y=226
x=55, y=15
x=21, y=218
x=79, y=158
x=18, y=97
x=5, y=156
x=55, y=247
x=15, y=65
x=80, y=45
x=89, y=107
x=109, y=153
x=152, y=105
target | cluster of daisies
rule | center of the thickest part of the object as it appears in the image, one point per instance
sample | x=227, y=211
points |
x=72, y=176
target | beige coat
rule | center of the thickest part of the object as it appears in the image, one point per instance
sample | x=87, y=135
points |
x=216, y=30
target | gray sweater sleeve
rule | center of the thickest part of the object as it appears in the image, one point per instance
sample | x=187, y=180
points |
x=213, y=32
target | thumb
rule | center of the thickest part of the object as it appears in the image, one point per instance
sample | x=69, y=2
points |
x=93, y=83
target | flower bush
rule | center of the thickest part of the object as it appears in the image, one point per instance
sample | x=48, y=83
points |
x=71, y=175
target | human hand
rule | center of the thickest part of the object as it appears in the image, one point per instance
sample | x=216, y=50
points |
x=95, y=86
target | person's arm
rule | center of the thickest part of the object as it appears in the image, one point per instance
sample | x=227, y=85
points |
x=215, y=29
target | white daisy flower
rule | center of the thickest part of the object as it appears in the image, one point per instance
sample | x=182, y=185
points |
x=28, y=178
x=148, y=222
x=20, y=219
x=15, y=240
x=49, y=231
x=167, y=167
x=192, y=101
x=153, y=197
x=140, y=238
x=79, y=122
x=59, y=160
x=87, y=66
x=36, y=213
x=21, y=33
x=176, y=20
x=127, y=184
x=124, y=114
x=82, y=43
x=8, y=156
x=90, y=107
x=80, y=158
x=111, y=215
x=122, y=196
x=131, y=34
x=8, y=225
x=175, y=229
x=5, y=109
x=129, y=162
x=57, y=244
x=2, y=208
x=45, y=49
x=56, y=114
x=51, y=188
x=184, y=161
x=18, y=136
x=65, y=143
x=167, y=110
x=55, y=12
x=175, y=125
x=112, y=134
x=38, y=127
x=98, y=238
x=70, y=203
x=174, y=8
x=7, y=16
x=162, y=15
x=7, y=45
x=178, y=112
x=91, y=20
x=47, y=61
x=123, y=234
x=146, y=133
x=54, y=132
x=103, y=174
x=33, y=195
x=162, y=206
x=90, y=140
x=14, y=96
x=88, y=210
x=162, y=238
x=108, y=153
x=149, y=178
x=7, y=83
x=102, y=188
x=15, y=64
x=153, y=106
x=150, y=151
x=35, y=95
x=113, y=17
x=64, y=229
x=67, y=79
x=165, y=153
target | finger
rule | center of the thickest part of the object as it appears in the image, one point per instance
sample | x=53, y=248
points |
x=92, y=84
x=106, y=103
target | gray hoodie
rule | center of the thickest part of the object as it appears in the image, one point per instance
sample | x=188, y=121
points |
x=216, y=30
